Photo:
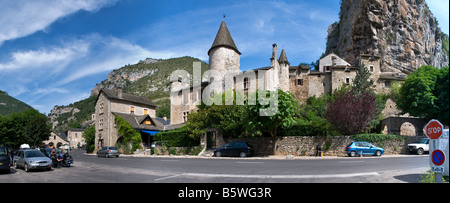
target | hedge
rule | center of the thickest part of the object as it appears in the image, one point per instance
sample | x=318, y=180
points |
x=176, y=138
x=373, y=138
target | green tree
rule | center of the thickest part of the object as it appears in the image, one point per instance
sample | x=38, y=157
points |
x=425, y=94
x=362, y=83
x=229, y=119
x=36, y=130
x=89, y=137
x=28, y=126
x=269, y=118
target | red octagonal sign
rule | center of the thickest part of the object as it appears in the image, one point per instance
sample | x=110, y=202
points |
x=434, y=129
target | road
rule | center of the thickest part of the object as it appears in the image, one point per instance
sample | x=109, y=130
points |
x=91, y=169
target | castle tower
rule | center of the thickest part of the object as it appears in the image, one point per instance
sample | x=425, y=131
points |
x=224, y=56
x=284, y=72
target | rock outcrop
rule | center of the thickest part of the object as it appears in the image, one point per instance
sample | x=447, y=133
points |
x=404, y=33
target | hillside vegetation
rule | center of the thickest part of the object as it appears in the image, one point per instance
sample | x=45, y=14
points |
x=149, y=78
x=10, y=104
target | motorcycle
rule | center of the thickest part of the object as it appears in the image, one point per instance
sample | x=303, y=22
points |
x=67, y=160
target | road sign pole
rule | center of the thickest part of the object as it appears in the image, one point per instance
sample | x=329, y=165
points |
x=438, y=177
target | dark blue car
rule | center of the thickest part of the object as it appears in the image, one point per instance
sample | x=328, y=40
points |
x=356, y=148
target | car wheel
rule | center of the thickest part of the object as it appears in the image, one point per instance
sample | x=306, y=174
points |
x=25, y=166
x=378, y=153
x=106, y=155
x=243, y=154
x=15, y=164
x=218, y=154
x=420, y=151
x=352, y=154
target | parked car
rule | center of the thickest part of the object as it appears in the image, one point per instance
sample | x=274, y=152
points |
x=420, y=147
x=356, y=148
x=242, y=149
x=5, y=159
x=108, y=152
x=32, y=159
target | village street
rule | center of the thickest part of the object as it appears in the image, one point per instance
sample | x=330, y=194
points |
x=126, y=169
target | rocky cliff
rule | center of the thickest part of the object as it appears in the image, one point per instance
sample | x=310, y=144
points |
x=404, y=33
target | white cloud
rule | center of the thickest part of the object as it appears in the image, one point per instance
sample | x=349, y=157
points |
x=20, y=18
x=52, y=57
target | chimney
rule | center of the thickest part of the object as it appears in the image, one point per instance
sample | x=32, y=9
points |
x=119, y=93
x=165, y=117
x=274, y=56
x=274, y=51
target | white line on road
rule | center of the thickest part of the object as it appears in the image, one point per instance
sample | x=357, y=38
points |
x=165, y=160
x=168, y=177
x=206, y=175
x=245, y=162
x=352, y=161
x=349, y=175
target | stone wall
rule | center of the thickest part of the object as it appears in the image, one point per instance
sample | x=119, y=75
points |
x=306, y=146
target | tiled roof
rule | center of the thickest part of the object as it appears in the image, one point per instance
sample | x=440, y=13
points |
x=127, y=97
x=223, y=38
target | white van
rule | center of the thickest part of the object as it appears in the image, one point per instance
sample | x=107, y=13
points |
x=25, y=146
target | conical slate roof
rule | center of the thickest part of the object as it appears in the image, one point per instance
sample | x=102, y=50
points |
x=283, y=57
x=223, y=38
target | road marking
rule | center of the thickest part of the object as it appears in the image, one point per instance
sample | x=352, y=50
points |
x=352, y=161
x=168, y=177
x=165, y=160
x=206, y=175
x=245, y=162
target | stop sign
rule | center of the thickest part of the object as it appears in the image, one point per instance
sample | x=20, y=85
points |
x=434, y=129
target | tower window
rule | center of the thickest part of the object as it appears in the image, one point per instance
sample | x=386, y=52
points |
x=246, y=83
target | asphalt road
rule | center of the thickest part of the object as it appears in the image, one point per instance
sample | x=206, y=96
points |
x=91, y=169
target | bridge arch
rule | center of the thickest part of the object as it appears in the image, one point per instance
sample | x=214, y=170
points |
x=403, y=126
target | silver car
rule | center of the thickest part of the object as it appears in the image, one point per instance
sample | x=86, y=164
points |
x=108, y=152
x=32, y=159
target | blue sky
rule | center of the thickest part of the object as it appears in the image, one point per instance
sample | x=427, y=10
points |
x=54, y=52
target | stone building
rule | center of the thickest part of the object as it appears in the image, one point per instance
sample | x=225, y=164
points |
x=301, y=81
x=56, y=140
x=75, y=138
x=140, y=112
x=224, y=64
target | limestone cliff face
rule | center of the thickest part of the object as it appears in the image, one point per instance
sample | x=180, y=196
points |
x=404, y=33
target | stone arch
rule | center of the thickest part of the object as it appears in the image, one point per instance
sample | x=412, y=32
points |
x=407, y=129
x=394, y=125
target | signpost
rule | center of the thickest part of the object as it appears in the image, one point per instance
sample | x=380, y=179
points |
x=439, y=165
x=434, y=129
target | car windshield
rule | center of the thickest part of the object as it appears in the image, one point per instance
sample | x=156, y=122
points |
x=34, y=153
x=113, y=148
x=3, y=151
x=423, y=141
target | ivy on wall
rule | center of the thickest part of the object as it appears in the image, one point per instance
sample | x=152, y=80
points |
x=128, y=134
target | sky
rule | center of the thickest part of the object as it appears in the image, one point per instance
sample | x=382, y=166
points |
x=53, y=52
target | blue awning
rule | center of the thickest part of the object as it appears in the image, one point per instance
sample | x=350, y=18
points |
x=151, y=132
